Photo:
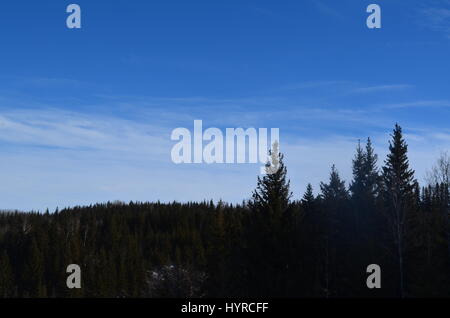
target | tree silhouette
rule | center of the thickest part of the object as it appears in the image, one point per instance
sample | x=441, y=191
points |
x=398, y=192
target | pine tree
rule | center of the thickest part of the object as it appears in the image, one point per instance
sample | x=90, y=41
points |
x=365, y=174
x=272, y=192
x=334, y=197
x=308, y=198
x=312, y=236
x=371, y=174
x=398, y=192
x=335, y=189
x=357, y=187
x=366, y=218
x=272, y=220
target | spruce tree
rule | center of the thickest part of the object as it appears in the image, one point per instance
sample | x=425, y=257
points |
x=365, y=175
x=312, y=237
x=334, y=197
x=335, y=190
x=365, y=219
x=272, y=193
x=308, y=198
x=272, y=220
x=398, y=193
x=357, y=187
x=371, y=174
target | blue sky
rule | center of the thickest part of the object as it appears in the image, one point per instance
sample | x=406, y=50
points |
x=86, y=115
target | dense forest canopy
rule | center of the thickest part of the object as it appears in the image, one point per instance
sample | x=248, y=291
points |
x=274, y=245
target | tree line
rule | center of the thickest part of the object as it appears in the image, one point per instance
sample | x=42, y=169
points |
x=273, y=245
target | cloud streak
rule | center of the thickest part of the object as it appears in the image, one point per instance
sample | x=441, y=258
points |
x=381, y=88
x=420, y=103
x=438, y=19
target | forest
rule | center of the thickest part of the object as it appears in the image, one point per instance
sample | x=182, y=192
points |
x=273, y=245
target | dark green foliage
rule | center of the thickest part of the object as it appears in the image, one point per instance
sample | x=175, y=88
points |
x=366, y=220
x=337, y=241
x=6, y=276
x=399, y=199
x=271, y=235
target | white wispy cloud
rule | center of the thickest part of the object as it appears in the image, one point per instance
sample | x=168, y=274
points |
x=327, y=9
x=443, y=136
x=316, y=84
x=75, y=131
x=381, y=88
x=345, y=87
x=420, y=103
x=438, y=18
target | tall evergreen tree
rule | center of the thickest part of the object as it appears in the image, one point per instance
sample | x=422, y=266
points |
x=365, y=219
x=398, y=192
x=334, y=197
x=357, y=186
x=335, y=189
x=271, y=222
x=313, y=234
x=365, y=182
x=308, y=198
x=272, y=193
x=372, y=177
